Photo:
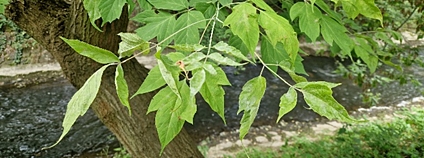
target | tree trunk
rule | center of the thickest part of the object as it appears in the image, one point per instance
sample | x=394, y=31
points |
x=47, y=20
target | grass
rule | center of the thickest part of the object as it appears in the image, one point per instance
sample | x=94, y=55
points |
x=402, y=137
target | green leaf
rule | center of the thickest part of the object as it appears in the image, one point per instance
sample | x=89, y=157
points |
x=188, y=47
x=195, y=2
x=221, y=77
x=350, y=9
x=390, y=63
x=212, y=91
x=323, y=6
x=111, y=9
x=122, y=87
x=188, y=107
x=249, y=100
x=193, y=57
x=160, y=25
x=223, y=60
x=170, y=4
x=168, y=77
x=188, y=24
x=308, y=19
x=92, y=8
x=144, y=4
x=243, y=23
x=298, y=66
x=99, y=55
x=319, y=97
x=287, y=102
x=296, y=78
x=197, y=81
x=333, y=31
x=158, y=102
x=225, y=2
x=175, y=56
x=208, y=9
x=364, y=7
x=153, y=81
x=366, y=53
x=278, y=29
x=131, y=6
x=274, y=54
x=327, y=84
x=383, y=36
x=236, y=42
x=209, y=68
x=194, y=65
x=167, y=120
x=224, y=47
x=81, y=101
x=172, y=111
x=261, y=4
x=130, y=43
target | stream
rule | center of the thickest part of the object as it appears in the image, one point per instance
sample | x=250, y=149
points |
x=31, y=117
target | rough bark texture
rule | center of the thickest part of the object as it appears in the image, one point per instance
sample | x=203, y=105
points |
x=47, y=20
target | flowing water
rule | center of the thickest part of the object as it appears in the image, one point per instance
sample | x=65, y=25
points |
x=30, y=118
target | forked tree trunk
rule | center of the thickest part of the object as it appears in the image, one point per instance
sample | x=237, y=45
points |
x=47, y=20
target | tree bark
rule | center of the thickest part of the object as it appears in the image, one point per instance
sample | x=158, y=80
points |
x=47, y=20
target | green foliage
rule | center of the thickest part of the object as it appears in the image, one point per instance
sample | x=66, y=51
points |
x=15, y=38
x=3, y=4
x=403, y=137
x=121, y=153
x=179, y=76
